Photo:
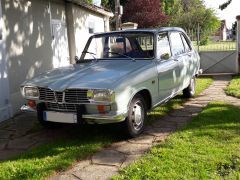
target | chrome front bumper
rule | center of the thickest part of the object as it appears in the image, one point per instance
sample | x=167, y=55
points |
x=90, y=118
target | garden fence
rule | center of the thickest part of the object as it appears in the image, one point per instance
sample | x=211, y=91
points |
x=222, y=39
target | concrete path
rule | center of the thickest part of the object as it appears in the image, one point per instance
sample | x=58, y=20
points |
x=107, y=163
x=20, y=134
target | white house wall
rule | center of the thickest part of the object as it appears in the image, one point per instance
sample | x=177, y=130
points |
x=82, y=18
x=28, y=37
x=28, y=41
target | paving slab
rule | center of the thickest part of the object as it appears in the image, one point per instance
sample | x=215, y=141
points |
x=108, y=157
x=144, y=139
x=98, y=172
x=21, y=143
x=5, y=134
x=3, y=143
x=130, y=159
x=130, y=148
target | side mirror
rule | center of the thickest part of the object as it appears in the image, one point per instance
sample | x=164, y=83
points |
x=76, y=58
x=165, y=56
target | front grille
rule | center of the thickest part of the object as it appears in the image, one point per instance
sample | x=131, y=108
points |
x=46, y=94
x=76, y=96
x=61, y=107
x=59, y=96
x=69, y=96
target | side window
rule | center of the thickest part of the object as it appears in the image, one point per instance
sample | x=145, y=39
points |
x=186, y=45
x=177, y=44
x=163, y=46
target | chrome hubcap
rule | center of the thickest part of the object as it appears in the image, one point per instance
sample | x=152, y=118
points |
x=137, y=116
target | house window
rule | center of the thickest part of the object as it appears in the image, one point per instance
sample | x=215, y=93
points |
x=91, y=28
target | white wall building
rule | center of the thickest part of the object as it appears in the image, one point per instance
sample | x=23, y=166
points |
x=38, y=35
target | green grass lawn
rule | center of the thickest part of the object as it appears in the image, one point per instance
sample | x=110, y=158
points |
x=234, y=87
x=80, y=143
x=207, y=148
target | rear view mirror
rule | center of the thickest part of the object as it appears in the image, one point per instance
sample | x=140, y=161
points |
x=165, y=56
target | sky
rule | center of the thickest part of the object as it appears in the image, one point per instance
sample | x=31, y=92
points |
x=229, y=14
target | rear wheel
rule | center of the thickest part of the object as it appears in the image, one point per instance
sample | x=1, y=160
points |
x=135, y=121
x=190, y=90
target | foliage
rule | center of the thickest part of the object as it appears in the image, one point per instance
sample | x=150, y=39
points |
x=88, y=1
x=207, y=148
x=233, y=88
x=204, y=41
x=167, y=6
x=111, y=4
x=234, y=28
x=147, y=13
x=78, y=144
x=189, y=13
x=225, y=5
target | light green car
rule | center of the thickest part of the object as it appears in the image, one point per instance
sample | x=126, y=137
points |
x=118, y=78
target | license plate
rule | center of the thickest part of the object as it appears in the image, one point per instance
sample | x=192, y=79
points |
x=60, y=117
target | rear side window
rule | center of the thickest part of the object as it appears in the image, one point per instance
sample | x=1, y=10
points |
x=176, y=43
x=164, y=50
x=186, y=45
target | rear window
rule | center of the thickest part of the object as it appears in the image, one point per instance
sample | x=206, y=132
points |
x=176, y=43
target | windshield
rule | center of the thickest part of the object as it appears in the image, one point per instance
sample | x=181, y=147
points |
x=120, y=46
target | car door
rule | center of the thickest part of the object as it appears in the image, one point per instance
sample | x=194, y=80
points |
x=179, y=55
x=188, y=65
x=167, y=68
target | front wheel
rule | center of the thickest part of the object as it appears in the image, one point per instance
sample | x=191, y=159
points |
x=135, y=121
x=190, y=90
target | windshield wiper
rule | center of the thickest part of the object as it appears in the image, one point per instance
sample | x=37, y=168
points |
x=120, y=54
x=92, y=54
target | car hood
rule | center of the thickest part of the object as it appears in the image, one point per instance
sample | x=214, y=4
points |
x=101, y=74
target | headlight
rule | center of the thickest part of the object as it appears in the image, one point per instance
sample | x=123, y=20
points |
x=106, y=96
x=30, y=92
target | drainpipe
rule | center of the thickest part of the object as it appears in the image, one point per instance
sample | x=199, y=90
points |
x=238, y=41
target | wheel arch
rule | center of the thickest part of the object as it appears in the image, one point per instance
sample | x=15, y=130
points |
x=146, y=95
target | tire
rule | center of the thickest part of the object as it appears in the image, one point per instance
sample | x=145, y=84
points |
x=190, y=90
x=135, y=121
x=46, y=124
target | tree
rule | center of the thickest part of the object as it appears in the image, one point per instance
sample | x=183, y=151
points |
x=110, y=4
x=188, y=14
x=147, y=13
x=234, y=28
x=167, y=6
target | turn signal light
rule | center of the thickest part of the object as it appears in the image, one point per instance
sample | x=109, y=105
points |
x=101, y=109
x=32, y=104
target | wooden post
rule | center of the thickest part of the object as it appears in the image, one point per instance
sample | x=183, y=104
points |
x=238, y=41
x=117, y=15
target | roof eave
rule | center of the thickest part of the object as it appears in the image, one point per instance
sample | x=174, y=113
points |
x=92, y=8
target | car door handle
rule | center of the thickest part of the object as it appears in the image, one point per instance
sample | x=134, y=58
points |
x=175, y=59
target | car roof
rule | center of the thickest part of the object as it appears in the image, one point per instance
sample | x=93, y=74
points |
x=153, y=30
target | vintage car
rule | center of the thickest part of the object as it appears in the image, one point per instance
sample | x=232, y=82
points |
x=119, y=77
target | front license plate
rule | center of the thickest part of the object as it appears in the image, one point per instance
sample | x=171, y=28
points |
x=60, y=117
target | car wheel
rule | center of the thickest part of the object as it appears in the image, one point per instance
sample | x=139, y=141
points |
x=135, y=121
x=190, y=90
x=46, y=124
